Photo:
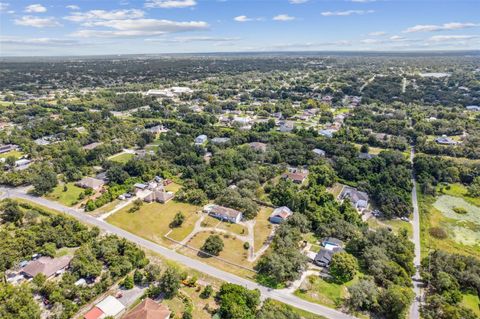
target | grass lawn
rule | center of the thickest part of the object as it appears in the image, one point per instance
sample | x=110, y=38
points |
x=335, y=189
x=173, y=187
x=122, y=158
x=209, y=221
x=68, y=198
x=106, y=208
x=233, y=251
x=371, y=150
x=395, y=224
x=263, y=227
x=234, y=228
x=152, y=220
x=302, y=313
x=472, y=302
x=319, y=290
x=16, y=154
x=177, y=306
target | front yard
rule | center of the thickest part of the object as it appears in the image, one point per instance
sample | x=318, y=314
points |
x=69, y=197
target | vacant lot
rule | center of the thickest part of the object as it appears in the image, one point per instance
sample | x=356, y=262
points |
x=152, y=220
x=233, y=252
x=319, y=290
x=68, y=197
x=122, y=158
x=16, y=154
x=458, y=190
x=263, y=227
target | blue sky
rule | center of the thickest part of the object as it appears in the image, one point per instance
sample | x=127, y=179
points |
x=82, y=27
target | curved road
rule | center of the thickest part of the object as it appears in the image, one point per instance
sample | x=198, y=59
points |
x=282, y=296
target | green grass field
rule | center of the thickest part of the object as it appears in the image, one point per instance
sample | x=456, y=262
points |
x=68, y=198
x=472, y=302
x=458, y=190
x=319, y=290
x=122, y=158
x=173, y=187
x=395, y=224
x=263, y=227
x=152, y=220
x=16, y=154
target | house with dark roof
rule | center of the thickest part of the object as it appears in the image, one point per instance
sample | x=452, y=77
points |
x=324, y=256
x=358, y=199
x=258, y=146
x=149, y=309
x=46, y=265
x=223, y=213
x=445, y=140
x=296, y=175
x=280, y=214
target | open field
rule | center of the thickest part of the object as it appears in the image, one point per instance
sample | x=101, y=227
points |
x=122, y=158
x=263, y=227
x=233, y=228
x=335, y=189
x=458, y=190
x=68, y=198
x=472, y=302
x=460, y=231
x=395, y=224
x=152, y=220
x=16, y=154
x=233, y=252
x=319, y=290
x=177, y=306
x=173, y=187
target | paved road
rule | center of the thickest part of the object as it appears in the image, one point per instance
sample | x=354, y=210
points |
x=187, y=261
x=414, y=309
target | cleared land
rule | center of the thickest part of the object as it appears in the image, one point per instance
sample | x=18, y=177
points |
x=68, y=197
x=263, y=227
x=152, y=221
x=122, y=158
x=16, y=154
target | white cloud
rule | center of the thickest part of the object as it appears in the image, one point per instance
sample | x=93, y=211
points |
x=96, y=15
x=37, y=41
x=450, y=38
x=140, y=27
x=35, y=8
x=371, y=41
x=168, y=4
x=283, y=17
x=363, y=1
x=193, y=39
x=298, y=1
x=242, y=18
x=36, y=22
x=4, y=6
x=377, y=33
x=346, y=13
x=397, y=38
x=442, y=27
x=73, y=7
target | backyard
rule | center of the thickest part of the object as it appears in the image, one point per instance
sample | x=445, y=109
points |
x=152, y=221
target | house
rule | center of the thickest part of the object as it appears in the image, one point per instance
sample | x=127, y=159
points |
x=92, y=146
x=159, y=196
x=201, y=139
x=90, y=182
x=22, y=164
x=365, y=156
x=445, y=140
x=157, y=129
x=286, y=126
x=8, y=148
x=298, y=176
x=140, y=186
x=326, y=133
x=318, y=152
x=331, y=242
x=223, y=213
x=357, y=198
x=220, y=140
x=108, y=307
x=474, y=108
x=46, y=265
x=258, y=146
x=280, y=214
x=324, y=256
x=149, y=309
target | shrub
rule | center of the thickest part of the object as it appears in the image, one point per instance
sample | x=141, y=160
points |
x=438, y=232
x=460, y=210
x=246, y=245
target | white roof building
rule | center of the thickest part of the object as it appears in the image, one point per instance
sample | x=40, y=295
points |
x=110, y=306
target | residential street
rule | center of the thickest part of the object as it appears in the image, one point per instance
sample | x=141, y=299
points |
x=282, y=296
x=414, y=309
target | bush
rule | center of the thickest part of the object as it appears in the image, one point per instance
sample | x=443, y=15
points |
x=438, y=232
x=207, y=292
x=213, y=245
x=246, y=245
x=460, y=210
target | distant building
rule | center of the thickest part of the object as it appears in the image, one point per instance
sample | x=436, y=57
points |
x=445, y=140
x=223, y=213
x=22, y=164
x=149, y=309
x=201, y=139
x=46, y=265
x=365, y=156
x=358, y=199
x=258, y=146
x=159, y=196
x=474, y=108
x=170, y=92
x=8, y=148
x=90, y=182
x=324, y=256
x=298, y=176
x=280, y=214
x=286, y=126
x=92, y=146
x=220, y=140
x=319, y=152
x=326, y=133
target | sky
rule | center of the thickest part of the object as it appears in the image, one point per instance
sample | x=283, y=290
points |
x=96, y=27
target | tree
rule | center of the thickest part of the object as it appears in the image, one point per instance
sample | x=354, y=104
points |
x=170, y=282
x=275, y=310
x=343, y=267
x=237, y=302
x=474, y=188
x=137, y=277
x=207, y=292
x=44, y=181
x=322, y=175
x=178, y=220
x=365, y=148
x=85, y=263
x=213, y=245
x=117, y=175
x=17, y=302
x=127, y=282
x=12, y=212
x=363, y=296
x=395, y=300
